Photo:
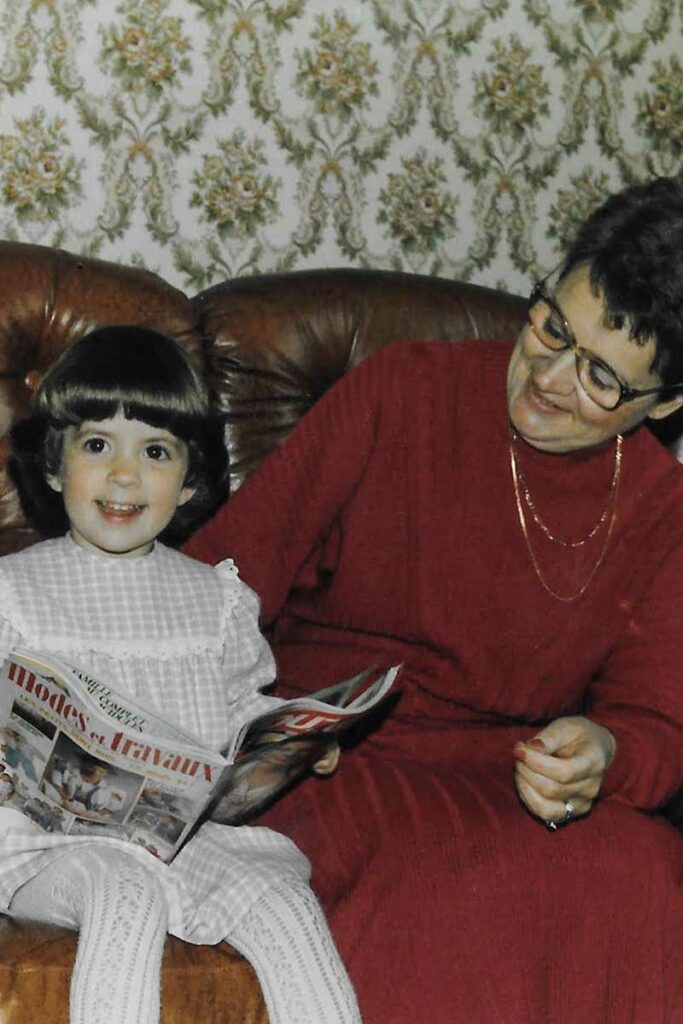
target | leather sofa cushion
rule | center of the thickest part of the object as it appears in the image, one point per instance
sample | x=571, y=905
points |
x=200, y=984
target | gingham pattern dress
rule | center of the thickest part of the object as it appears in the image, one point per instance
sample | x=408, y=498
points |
x=182, y=638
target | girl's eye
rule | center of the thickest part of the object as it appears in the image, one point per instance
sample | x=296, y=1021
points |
x=96, y=445
x=157, y=452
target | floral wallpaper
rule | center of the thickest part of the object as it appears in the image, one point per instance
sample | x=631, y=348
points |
x=206, y=139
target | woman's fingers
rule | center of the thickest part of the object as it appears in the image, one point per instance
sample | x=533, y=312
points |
x=568, y=749
x=559, y=772
x=585, y=785
x=552, y=810
x=559, y=769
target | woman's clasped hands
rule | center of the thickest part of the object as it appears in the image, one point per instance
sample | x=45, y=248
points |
x=559, y=772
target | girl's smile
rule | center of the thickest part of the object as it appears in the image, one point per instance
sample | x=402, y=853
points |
x=116, y=510
x=121, y=481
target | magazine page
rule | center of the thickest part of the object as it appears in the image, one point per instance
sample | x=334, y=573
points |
x=104, y=699
x=281, y=747
x=260, y=775
x=82, y=760
x=328, y=710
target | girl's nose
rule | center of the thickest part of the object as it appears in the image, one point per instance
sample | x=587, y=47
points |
x=123, y=471
x=557, y=373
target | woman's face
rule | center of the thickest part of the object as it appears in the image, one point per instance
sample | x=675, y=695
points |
x=547, y=405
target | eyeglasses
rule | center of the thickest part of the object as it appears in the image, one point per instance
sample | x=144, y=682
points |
x=598, y=380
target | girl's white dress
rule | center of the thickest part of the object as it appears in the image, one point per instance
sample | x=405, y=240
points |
x=182, y=638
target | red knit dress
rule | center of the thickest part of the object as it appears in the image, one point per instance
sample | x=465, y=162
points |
x=385, y=529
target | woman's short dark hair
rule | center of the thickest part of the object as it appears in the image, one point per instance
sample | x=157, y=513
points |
x=633, y=245
x=148, y=377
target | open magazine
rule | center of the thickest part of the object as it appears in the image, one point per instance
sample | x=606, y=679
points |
x=80, y=758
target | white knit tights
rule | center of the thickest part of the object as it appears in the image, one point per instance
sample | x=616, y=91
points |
x=286, y=939
x=120, y=911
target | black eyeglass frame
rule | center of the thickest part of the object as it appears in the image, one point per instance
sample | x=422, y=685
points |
x=626, y=392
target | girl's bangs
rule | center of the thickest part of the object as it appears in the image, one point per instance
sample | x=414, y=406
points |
x=164, y=411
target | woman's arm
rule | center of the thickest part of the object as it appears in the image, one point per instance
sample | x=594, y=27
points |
x=276, y=524
x=630, y=744
x=638, y=695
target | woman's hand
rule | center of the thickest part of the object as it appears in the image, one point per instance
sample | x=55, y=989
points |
x=563, y=765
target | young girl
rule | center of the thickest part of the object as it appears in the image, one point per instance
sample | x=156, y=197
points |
x=124, y=441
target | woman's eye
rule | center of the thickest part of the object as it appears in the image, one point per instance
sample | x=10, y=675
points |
x=554, y=329
x=601, y=377
x=94, y=445
x=157, y=452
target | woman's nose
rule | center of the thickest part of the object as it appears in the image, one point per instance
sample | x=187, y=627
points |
x=556, y=373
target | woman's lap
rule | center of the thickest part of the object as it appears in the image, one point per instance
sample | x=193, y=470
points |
x=444, y=894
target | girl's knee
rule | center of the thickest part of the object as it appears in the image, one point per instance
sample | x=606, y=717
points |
x=124, y=881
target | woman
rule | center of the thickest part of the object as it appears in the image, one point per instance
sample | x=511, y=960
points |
x=488, y=853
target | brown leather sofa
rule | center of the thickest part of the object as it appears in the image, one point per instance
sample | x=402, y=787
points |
x=269, y=346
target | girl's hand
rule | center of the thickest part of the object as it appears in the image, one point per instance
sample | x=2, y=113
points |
x=328, y=764
x=562, y=765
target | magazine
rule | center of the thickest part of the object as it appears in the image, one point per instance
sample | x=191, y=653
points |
x=80, y=758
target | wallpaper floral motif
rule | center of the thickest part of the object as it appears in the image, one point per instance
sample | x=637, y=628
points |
x=211, y=138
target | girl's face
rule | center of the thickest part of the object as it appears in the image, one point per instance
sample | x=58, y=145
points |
x=121, y=481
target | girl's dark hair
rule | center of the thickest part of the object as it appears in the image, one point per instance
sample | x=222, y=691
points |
x=148, y=377
x=633, y=246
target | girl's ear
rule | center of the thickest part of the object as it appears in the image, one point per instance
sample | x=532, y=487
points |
x=54, y=481
x=185, y=494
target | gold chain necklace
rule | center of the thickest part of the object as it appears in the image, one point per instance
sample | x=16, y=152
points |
x=517, y=472
x=521, y=489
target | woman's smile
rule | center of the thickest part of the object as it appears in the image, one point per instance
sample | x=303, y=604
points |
x=538, y=398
